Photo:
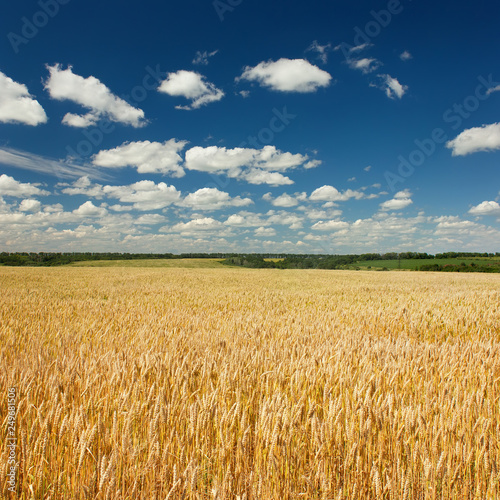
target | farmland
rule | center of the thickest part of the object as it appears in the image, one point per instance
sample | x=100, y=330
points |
x=218, y=382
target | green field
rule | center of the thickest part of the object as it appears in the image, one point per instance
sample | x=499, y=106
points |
x=179, y=263
x=416, y=263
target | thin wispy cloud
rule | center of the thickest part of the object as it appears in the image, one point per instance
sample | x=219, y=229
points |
x=65, y=169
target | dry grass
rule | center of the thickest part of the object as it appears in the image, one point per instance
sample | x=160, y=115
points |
x=256, y=384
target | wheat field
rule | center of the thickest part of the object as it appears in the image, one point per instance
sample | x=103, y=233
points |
x=137, y=383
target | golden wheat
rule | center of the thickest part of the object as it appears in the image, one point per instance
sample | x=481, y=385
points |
x=251, y=384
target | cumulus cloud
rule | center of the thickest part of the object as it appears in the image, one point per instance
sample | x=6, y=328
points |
x=330, y=193
x=486, y=208
x=192, y=86
x=213, y=199
x=88, y=209
x=473, y=140
x=365, y=65
x=392, y=87
x=330, y=225
x=144, y=195
x=321, y=50
x=17, y=105
x=30, y=206
x=265, y=231
x=150, y=219
x=10, y=187
x=83, y=186
x=285, y=200
x=203, y=57
x=405, y=56
x=93, y=95
x=288, y=75
x=146, y=156
x=202, y=224
x=258, y=176
x=401, y=200
x=245, y=219
x=256, y=166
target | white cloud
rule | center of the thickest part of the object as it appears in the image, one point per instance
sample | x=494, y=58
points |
x=10, y=187
x=284, y=200
x=121, y=208
x=392, y=87
x=486, y=208
x=348, y=50
x=146, y=156
x=253, y=165
x=455, y=227
x=36, y=163
x=405, y=56
x=213, y=199
x=93, y=95
x=493, y=89
x=330, y=193
x=284, y=218
x=145, y=195
x=17, y=105
x=401, y=200
x=218, y=160
x=80, y=121
x=312, y=164
x=360, y=48
x=314, y=214
x=258, y=176
x=331, y=225
x=50, y=209
x=245, y=219
x=206, y=224
x=203, y=57
x=321, y=50
x=288, y=75
x=368, y=168
x=473, y=140
x=83, y=186
x=150, y=219
x=265, y=231
x=365, y=65
x=190, y=85
x=30, y=206
x=88, y=209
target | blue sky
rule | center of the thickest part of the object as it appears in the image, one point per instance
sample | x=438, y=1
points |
x=250, y=125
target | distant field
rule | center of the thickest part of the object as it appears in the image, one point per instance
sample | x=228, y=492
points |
x=176, y=263
x=416, y=263
x=135, y=382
